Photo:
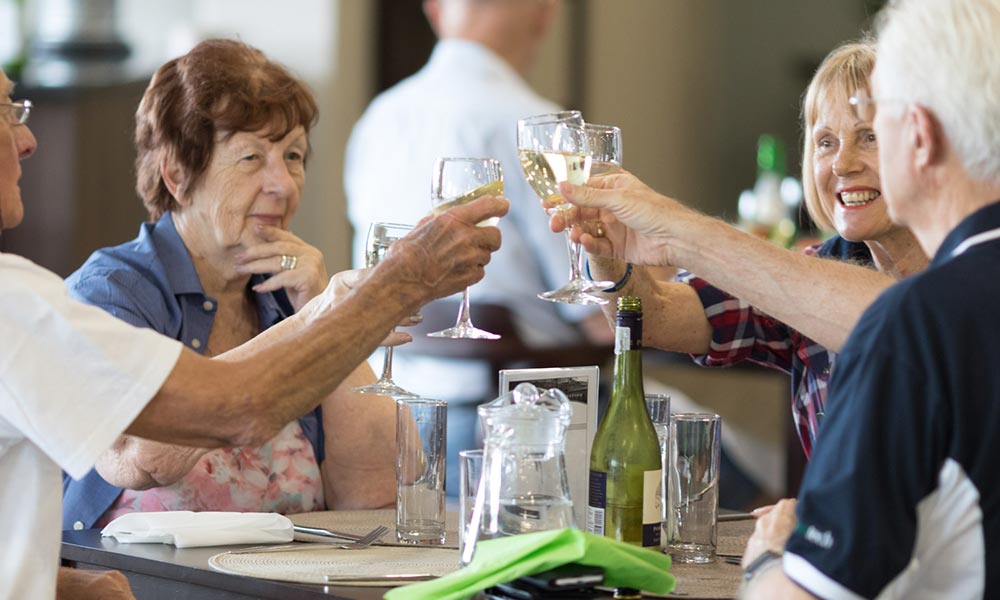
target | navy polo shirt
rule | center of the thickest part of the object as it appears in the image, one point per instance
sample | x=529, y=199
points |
x=904, y=490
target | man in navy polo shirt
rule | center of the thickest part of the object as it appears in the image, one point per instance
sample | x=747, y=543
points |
x=903, y=493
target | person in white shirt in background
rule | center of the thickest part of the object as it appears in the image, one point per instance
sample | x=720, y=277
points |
x=466, y=102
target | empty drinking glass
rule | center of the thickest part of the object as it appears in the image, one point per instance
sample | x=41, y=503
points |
x=695, y=454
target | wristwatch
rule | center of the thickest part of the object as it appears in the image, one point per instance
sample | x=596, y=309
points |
x=766, y=560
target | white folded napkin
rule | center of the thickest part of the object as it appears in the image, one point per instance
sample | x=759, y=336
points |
x=186, y=529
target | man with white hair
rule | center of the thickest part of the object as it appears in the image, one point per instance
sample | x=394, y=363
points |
x=902, y=497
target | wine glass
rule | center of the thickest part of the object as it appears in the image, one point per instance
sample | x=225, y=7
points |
x=459, y=181
x=380, y=237
x=605, y=142
x=553, y=151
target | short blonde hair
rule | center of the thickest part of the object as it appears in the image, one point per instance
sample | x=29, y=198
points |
x=844, y=72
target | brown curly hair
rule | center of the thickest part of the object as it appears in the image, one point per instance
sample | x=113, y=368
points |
x=220, y=85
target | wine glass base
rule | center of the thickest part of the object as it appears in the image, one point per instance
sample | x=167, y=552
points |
x=464, y=332
x=385, y=388
x=580, y=291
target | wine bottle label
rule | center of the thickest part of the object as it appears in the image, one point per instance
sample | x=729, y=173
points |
x=597, y=501
x=651, y=515
x=623, y=339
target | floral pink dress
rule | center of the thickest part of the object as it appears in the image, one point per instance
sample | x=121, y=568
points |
x=281, y=476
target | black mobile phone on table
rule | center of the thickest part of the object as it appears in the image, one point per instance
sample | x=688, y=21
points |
x=518, y=590
x=566, y=577
x=566, y=582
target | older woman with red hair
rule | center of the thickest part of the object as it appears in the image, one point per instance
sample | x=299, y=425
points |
x=222, y=136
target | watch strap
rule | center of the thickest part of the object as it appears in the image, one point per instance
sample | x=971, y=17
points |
x=763, y=562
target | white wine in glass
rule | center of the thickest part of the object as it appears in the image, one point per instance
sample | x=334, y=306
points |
x=544, y=171
x=551, y=152
x=459, y=181
x=380, y=237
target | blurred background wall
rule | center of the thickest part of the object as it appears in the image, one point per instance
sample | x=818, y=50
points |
x=691, y=83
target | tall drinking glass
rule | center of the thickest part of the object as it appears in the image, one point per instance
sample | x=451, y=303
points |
x=553, y=151
x=459, y=181
x=695, y=454
x=658, y=406
x=380, y=237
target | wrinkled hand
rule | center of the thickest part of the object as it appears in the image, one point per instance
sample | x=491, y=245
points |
x=77, y=584
x=342, y=283
x=446, y=253
x=634, y=218
x=307, y=280
x=774, y=526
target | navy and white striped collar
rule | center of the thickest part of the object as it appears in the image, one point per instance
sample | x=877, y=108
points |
x=980, y=227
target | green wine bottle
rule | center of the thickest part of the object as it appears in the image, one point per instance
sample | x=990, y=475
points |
x=625, y=462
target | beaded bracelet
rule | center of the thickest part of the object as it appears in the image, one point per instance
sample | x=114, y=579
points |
x=618, y=284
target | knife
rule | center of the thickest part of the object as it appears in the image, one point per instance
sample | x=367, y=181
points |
x=325, y=533
x=391, y=577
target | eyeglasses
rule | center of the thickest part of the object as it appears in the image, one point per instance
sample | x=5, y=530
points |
x=864, y=105
x=19, y=111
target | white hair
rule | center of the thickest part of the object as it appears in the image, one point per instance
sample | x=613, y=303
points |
x=945, y=55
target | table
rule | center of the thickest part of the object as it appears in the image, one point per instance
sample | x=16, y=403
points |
x=158, y=571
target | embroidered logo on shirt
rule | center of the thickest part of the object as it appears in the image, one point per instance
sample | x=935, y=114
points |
x=823, y=539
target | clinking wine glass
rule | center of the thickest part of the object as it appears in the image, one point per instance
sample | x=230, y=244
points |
x=459, y=181
x=605, y=142
x=553, y=151
x=380, y=237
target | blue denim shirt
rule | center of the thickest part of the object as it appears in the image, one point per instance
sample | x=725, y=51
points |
x=151, y=282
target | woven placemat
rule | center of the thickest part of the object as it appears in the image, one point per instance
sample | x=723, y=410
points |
x=314, y=565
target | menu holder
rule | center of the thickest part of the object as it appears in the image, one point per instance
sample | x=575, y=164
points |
x=580, y=386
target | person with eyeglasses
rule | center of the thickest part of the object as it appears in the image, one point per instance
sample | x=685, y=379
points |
x=19, y=111
x=902, y=498
x=72, y=377
x=742, y=298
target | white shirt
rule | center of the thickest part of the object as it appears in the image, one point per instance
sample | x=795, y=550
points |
x=464, y=102
x=72, y=378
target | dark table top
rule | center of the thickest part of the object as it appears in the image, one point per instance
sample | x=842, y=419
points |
x=189, y=567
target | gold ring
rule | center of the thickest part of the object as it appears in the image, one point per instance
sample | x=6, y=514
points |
x=288, y=262
x=599, y=230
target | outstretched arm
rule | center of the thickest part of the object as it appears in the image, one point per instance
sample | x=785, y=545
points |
x=822, y=299
x=246, y=396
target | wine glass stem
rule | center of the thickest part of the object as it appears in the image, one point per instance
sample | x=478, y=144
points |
x=387, y=365
x=575, y=258
x=464, y=319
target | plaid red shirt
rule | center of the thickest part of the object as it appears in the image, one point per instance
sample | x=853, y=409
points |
x=741, y=332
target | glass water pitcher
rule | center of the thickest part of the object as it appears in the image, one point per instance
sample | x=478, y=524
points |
x=523, y=488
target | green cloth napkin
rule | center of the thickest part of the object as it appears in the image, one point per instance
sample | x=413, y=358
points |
x=503, y=559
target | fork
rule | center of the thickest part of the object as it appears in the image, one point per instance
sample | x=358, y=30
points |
x=369, y=538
